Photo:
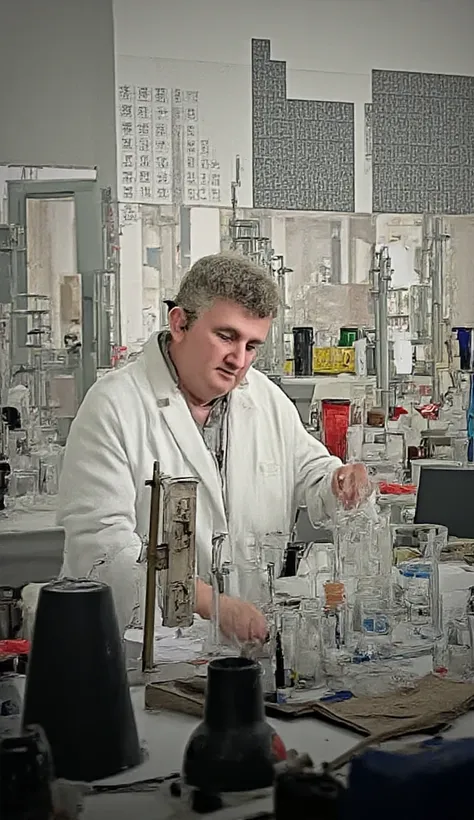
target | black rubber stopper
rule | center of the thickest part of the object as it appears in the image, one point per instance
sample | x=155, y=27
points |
x=76, y=686
x=234, y=749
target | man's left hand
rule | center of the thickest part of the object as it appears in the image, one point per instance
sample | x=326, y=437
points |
x=351, y=485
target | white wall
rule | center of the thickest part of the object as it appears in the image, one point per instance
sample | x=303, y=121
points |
x=57, y=89
x=460, y=255
x=131, y=288
x=330, y=47
x=205, y=232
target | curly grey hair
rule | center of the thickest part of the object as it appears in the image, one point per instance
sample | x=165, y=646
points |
x=228, y=276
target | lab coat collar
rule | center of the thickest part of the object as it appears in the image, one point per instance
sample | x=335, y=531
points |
x=177, y=416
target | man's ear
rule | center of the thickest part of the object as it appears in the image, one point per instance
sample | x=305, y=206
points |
x=178, y=323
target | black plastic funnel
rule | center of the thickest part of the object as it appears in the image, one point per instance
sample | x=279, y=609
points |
x=76, y=686
x=234, y=749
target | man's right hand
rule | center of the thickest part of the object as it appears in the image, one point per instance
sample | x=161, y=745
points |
x=241, y=621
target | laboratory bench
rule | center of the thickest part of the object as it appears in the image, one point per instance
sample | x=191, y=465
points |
x=164, y=735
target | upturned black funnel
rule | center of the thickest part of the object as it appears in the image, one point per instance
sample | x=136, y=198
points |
x=76, y=686
x=234, y=749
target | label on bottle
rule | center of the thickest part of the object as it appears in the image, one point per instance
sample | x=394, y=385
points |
x=376, y=624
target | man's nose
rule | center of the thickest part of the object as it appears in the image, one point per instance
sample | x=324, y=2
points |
x=236, y=357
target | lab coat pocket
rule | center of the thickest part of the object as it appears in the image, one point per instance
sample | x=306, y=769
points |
x=271, y=497
x=269, y=469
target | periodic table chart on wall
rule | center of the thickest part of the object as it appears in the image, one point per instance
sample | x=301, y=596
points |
x=423, y=143
x=164, y=158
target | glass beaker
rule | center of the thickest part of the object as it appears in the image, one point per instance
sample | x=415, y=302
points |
x=23, y=489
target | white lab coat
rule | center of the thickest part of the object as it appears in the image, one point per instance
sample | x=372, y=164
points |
x=137, y=415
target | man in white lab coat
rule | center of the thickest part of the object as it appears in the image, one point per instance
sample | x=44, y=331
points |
x=193, y=402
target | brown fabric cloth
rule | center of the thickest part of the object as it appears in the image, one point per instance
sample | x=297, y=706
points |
x=432, y=703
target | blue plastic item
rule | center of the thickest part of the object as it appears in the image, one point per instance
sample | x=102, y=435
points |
x=343, y=694
x=470, y=421
x=434, y=783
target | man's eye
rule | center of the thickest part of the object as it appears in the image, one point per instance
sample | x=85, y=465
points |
x=224, y=337
x=251, y=347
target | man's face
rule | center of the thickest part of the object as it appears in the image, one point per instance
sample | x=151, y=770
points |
x=213, y=355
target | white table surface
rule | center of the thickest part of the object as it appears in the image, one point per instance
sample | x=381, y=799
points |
x=28, y=520
x=165, y=735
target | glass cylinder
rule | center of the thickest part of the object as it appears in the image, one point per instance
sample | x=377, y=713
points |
x=309, y=661
x=418, y=579
x=286, y=647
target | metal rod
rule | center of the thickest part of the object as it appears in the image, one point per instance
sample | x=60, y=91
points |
x=271, y=581
x=374, y=289
x=385, y=276
x=380, y=278
x=148, y=655
x=217, y=586
x=436, y=305
x=234, y=186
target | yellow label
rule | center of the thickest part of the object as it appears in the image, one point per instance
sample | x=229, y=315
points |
x=334, y=360
x=344, y=359
x=322, y=359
